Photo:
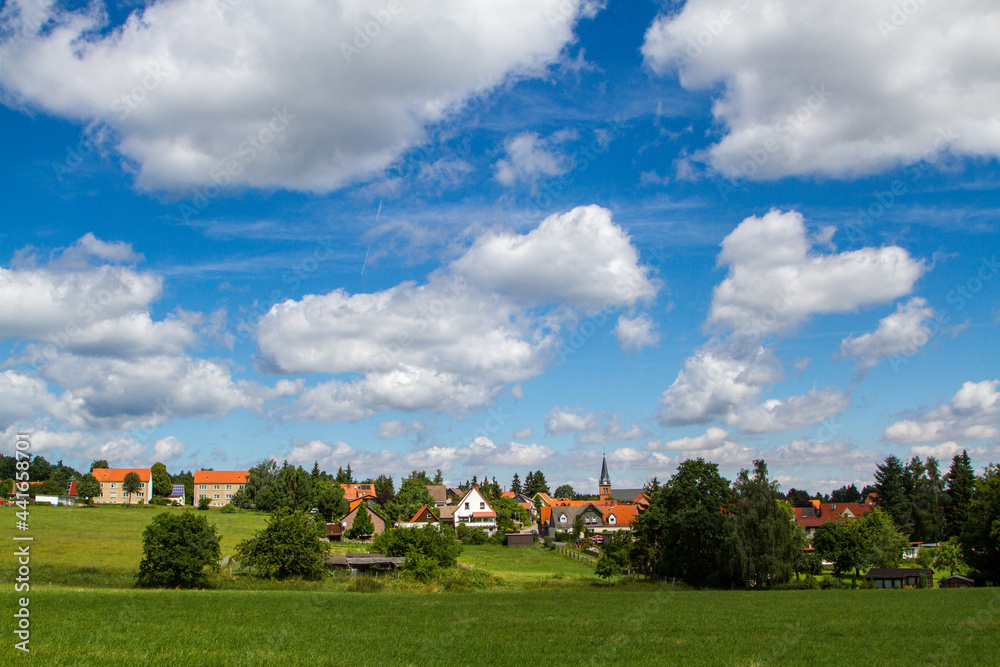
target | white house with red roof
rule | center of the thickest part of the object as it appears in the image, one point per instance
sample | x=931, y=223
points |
x=476, y=512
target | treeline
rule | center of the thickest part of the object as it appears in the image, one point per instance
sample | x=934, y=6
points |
x=707, y=532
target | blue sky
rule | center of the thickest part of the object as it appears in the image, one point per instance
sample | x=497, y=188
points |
x=498, y=239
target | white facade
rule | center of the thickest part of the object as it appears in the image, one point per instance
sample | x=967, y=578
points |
x=476, y=512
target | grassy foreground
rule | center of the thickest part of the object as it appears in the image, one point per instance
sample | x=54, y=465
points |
x=609, y=626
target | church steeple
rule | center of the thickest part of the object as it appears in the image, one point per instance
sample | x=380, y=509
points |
x=604, y=484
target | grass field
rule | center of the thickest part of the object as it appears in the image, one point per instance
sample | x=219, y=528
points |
x=598, y=626
x=513, y=606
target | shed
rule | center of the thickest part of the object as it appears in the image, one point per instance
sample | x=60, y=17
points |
x=364, y=561
x=956, y=581
x=899, y=577
x=519, y=539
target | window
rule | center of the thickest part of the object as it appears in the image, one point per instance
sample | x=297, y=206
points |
x=482, y=506
x=114, y=495
x=216, y=487
x=242, y=485
x=562, y=518
x=611, y=519
x=229, y=487
x=201, y=487
x=466, y=505
x=228, y=496
x=112, y=485
x=217, y=496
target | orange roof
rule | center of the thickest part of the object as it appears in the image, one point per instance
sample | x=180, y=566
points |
x=221, y=476
x=624, y=514
x=416, y=517
x=118, y=474
x=546, y=514
x=830, y=512
x=507, y=494
x=352, y=491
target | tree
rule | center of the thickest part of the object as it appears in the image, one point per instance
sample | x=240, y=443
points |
x=515, y=484
x=761, y=538
x=99, y=463
x=614, y=553
x=176, y=549
x=981, y=530
x=565, y=491
x=961, y=483
x=385, y=489
x=509, y=513
x=925, y=490
x=412, y=496
x=362, y=526
x=130, y=485
x=328, y=499
x=539, y=485
x=40, y=469
x=841, y=543
x=260, y=477
x=162, y=486
x=289, y=546
x=296, y=487
x=344, y=476
x=948, y=556
x=846, y=494
x=315, y=473
x=187, y=479
x=204, y=503
x=892, y=495
x=883, y=542
x=438, y=478
x=682, y=533
x=88, y=487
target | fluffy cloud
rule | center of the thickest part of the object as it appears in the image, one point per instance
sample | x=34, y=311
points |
x=635, y=333
x=946, y=451
x=20, y=396
x=301, y=97
x=972, y=414
x=794, y=412
x=715, y=382
x=591, y=429
x=713, y=438
x=776, y=282
x=901, y=333
x=480, y=453
x=804, y=84
x=395, y=428
x=528, y=159
x=168, y=448
x=579, y=258
x=453, y=343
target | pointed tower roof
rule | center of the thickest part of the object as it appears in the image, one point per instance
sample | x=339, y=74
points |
x=605, y=477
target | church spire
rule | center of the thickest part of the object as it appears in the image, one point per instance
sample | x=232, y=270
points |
x=604, y=484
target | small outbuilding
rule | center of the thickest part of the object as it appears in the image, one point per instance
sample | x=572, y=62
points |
x=956, y=581
x=519, y=539
x=899, y=577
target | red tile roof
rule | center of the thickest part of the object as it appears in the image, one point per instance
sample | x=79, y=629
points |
x=624, y=514
x=118, y=474
x=829, y=512
x=221, y=476
x=483, y=515
x=416, y=517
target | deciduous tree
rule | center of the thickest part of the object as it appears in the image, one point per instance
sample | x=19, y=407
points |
x=177, y=548
x=289, y=546
x=762, y=544
x=162, y=486
x=363, y=525
x=88, y=487
x=130, y=485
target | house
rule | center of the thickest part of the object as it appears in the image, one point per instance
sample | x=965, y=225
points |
x=620, y=517
x=111, y=481
x=454, y=495
x=520, y=539
x=899, y=577
x=439, y=494
x=955, y=581
x=818, y=513
x=176, y=494
x=359, y=505
x=423, y=517
x=475, y=512
x=218, y=485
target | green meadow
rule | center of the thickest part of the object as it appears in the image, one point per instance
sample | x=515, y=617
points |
x=506, y=607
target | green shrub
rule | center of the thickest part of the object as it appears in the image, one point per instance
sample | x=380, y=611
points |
x=475, y=536
x=204, y=502
x=423, y=568
x=548, y=543
x=830, y=582
x=176, y=550
x=402, y=542
x=922, y=580
x=866, y=584
x=229, y=509
x=160, y=501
